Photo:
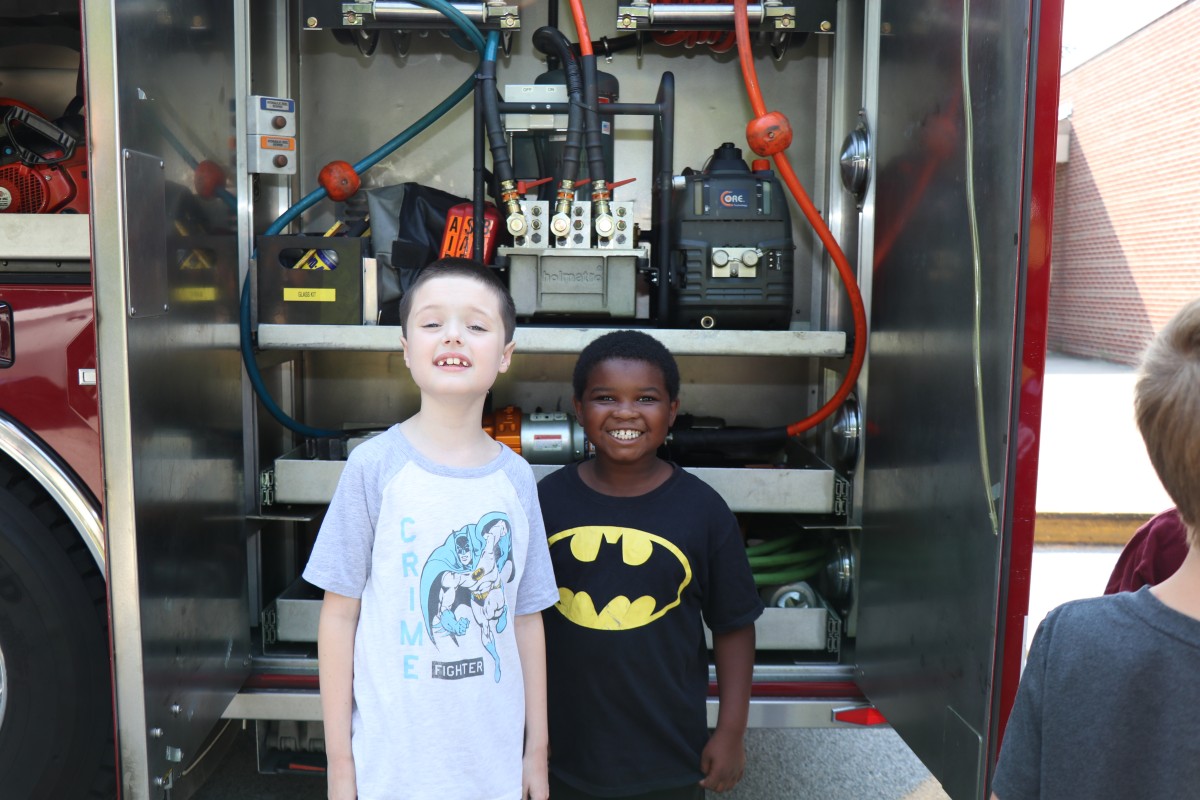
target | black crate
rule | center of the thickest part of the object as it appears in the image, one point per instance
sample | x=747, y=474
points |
x=296, y=296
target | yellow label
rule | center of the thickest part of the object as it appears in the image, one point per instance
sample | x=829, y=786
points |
x=291, y=295
x=195, y=294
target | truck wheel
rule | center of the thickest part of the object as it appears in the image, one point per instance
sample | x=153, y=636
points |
x=56, y=730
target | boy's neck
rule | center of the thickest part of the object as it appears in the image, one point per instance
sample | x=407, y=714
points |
x=1181, y=591
x=451, y=435
x=625, y=480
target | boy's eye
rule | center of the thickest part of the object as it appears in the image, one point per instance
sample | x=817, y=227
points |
x=429, y=324
x=477, y=327
x=647, y=398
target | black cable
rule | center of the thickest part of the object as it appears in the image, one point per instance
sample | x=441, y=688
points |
x=551, y=41
x=591, y=100
x=501, y=164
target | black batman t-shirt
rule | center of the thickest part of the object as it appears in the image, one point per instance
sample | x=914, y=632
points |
x=638, y=579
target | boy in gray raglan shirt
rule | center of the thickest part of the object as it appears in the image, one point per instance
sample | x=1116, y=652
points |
x=434, y=564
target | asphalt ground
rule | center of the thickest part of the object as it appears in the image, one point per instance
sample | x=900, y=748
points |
x=1095, y=485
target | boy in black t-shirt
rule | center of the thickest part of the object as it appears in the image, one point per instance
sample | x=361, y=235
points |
x=645, y=555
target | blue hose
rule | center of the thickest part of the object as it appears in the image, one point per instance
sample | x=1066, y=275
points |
x=315, y=196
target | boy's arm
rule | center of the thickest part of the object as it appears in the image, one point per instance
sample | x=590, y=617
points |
x=531, y=646
x=335, y=665
x=724, y=757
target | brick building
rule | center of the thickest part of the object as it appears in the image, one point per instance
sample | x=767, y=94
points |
x=1126, y=250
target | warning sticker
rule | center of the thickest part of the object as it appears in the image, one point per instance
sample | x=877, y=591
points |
x=277, y=143
x=459, y=241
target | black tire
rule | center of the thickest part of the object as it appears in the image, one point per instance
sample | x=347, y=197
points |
x=56, y=733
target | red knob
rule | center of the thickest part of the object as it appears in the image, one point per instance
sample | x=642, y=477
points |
x=340, y=180
x=208, y=178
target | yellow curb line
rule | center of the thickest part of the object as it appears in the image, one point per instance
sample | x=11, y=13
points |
x=1098, y=529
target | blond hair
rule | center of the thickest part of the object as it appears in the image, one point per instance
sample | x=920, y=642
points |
x=1167, y=406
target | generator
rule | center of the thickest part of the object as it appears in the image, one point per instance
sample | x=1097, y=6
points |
x=732, y=251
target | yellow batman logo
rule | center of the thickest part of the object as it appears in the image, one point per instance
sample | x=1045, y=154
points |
x=617, y=569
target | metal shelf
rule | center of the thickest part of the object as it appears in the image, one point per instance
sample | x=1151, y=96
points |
x=547, y=340
x=799, y=491
x=45, y=237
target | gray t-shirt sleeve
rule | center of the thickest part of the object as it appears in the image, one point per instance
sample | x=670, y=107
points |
x=539, y=590
x=341, y=557
x=1019, y=769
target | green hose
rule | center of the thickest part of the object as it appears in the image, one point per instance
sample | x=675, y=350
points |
x=786, y=576
x=793, y=557
x=771, y=545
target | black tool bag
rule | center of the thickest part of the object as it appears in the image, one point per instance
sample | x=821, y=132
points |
x=407, y=223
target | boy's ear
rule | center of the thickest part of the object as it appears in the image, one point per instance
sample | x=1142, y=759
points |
x=674, y=411
x=506, y=356
x=404, y=350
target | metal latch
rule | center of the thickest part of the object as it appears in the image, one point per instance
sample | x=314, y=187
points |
x=356, y=13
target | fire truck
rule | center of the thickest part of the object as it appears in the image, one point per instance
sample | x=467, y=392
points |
x=835, y=213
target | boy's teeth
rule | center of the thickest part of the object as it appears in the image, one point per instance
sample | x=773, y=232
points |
x=456, y=362
x=626, y=435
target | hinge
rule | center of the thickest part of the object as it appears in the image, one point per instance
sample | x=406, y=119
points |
x=833, y=633
x=266, y=487
x=269, y=626
x=841, y=496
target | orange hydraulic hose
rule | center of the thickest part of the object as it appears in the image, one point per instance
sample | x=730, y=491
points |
x=581, y=28
x=742, y=31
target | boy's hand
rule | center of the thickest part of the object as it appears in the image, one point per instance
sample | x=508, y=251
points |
x=340, y=773
x=535, y=775
x=723, y=761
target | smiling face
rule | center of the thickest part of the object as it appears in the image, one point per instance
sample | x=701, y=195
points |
x=626, y=411
x=455, y=337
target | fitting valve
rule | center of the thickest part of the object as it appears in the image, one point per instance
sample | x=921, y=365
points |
x=510, y=197
x=560, y=223
x=602, y=219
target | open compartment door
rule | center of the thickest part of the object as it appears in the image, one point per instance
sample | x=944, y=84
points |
x=160, y=109
x=960, y=280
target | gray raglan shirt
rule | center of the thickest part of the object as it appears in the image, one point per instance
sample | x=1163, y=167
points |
x=1107, y=706
x=443, y=560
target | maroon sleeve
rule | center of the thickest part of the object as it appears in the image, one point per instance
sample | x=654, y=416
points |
x=1152, y=555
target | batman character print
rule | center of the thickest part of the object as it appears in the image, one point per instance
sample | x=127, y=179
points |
x=462, y=587
x=617, y=578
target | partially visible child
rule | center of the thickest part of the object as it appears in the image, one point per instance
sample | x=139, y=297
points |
x=434, y=564
x=1106, y=706
x=645, y=554
x=1152, y=555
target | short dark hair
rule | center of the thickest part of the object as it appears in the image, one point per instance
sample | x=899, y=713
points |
x=628, y=346
x=463, y=268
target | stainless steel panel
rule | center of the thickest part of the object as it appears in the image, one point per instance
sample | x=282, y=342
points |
x=350, y=104
x=947, y=214
x=160, y=86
